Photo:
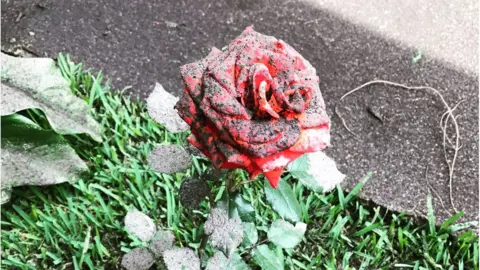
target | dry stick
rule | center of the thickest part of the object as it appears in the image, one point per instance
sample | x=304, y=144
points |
x=444, y=127
x=449, y=112
x=343, y=122
x=254, y=246
x=434, y=191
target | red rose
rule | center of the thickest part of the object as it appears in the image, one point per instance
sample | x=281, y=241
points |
x=257, y=105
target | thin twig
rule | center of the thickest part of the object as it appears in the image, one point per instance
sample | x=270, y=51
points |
x=343, y=121
x=449, y=112
x=254, y=246
x=444, y=128
x=414, y=208
x=435, y=191
x=236, y=186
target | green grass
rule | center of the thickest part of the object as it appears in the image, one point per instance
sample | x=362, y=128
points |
x=80, y=226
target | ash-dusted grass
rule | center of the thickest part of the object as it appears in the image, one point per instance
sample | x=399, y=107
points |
x=80, y=226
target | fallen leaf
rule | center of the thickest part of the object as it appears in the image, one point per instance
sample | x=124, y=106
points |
x=192, y=192
x=169, y=158
x=29, y=83
x=161, y=242
x=160, y=106
x=138, y=259
x=34, y=156
x=139, y=225
x=181, y=259
x=224, y=233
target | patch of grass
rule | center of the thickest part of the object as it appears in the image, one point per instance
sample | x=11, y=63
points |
x=80, y=226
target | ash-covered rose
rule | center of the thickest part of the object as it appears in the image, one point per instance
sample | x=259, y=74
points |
x=257, y=105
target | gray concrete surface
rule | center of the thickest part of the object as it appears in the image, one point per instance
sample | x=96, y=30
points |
x=138, y=43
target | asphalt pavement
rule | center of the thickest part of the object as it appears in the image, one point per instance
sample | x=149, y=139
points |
x=397, y=131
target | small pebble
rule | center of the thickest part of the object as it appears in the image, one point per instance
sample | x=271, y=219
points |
x=31, y=33
x=13, y=40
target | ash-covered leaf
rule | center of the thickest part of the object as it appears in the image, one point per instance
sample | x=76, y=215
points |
x=217, y=262
x=160, y=106
x=250, y=234
x=161, y=242
x=283, y=200
x=316, y=171
x=220, y=262
x=224, y=233
x=140, y=225
x=34, y=156
x=138, y=259
x=181, y=259
x=192, y=192
x=169, y=158
x=29, y=83
x=268, y=259
x=285, y=235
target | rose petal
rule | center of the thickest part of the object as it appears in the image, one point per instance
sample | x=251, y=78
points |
x=274, y=177
x=312, y=140
x=221, y=101
x=263, y=105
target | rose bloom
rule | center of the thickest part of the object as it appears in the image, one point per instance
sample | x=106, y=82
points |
x=256, y=105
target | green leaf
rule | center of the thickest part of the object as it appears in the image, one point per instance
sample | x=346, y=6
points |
x=245, y=209
x=250, y=234
x=267, y=258
x=283, y=201
x=285, y=235
x=235, y=262
x=29, y=83
x=33, y=156
x=219, y=262
x=316, y=171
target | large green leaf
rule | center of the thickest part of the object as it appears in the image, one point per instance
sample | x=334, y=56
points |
x=268, y=259
x=220, y=262
x=285, y=235
x=283, y=201
x=34, y=156
x=235, y=262
x=244, y=208
x=250, y=234
x=36, y=83
x=316, y=171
